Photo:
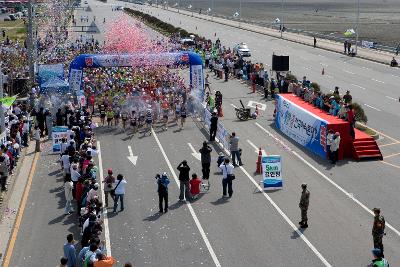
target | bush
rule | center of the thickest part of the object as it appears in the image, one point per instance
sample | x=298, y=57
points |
x=316, y=87
x=292, y=77
x=359, y=113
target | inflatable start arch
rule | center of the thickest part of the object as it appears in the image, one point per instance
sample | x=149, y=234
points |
x=137, y=60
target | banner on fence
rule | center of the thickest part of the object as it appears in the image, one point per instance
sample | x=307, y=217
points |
x=272, y=171
x=368, y=44
x=300, y=125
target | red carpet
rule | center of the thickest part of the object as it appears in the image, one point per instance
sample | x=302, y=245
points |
x=364, y=146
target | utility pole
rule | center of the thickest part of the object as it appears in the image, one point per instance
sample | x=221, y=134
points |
x=282, y=19
x=31, y=60
x=240, y=11
x=358, y=24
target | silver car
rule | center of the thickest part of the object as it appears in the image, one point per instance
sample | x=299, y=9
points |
x=242, y=50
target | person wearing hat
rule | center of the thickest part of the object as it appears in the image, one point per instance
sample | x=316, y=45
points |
x=378, y=229
x=108, y=181
x=162, y=190
x=184, y=170
x=303, y=205
x=205, y=152
x=378, y=260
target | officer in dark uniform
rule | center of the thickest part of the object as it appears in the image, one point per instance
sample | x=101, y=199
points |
x=303, y=205
x=378, y=229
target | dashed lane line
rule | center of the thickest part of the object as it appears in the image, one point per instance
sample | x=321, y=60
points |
x=355, y=85
x=377, y=109
x=195, y=218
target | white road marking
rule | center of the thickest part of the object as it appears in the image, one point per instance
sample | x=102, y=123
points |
x=350, y=195
x=349, y=72
x=391, y=98
x=358, y=86
x=195, y=154
x=377, y=109
x=321, y=56
x=306, y=68
x=131, y=157
x=196, y=220
x=378, y=81
x=323, y=64
x=234, y=106
x=103, y=200
x=253, y=104
x=256, y=149
x=365, y=68
x=395, y=76
x=328, y=76
x=286, y=218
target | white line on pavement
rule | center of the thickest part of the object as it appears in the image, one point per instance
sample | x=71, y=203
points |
x=366, y=68
x=256, y=149
x=234, y=106
x=105, y=219
x=350, y=195
x=328, y=76
x=301, y=235
x=391, y=98
x=324, y=64
x=358, y=86
x=396, y=76
x=378, y=81
x=349, y=72
x=377, y=109
x=196, y=220
x=306, y=68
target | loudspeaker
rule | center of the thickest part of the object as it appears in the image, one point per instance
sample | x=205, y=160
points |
x=280, y=63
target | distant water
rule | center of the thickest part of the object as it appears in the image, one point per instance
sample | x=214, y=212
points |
x=379, y=19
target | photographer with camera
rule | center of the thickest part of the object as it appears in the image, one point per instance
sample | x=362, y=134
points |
x=162, y=183
x=184, y=170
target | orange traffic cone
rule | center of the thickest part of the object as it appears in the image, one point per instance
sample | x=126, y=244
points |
x=258, y=168
x=323, y=71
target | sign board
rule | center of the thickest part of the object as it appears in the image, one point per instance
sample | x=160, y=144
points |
x=272, y=171
x=368, y=44
x=301, y=125
x=59, y=132
x=254, y=104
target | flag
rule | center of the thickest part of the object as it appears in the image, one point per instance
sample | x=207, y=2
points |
x=8, y=101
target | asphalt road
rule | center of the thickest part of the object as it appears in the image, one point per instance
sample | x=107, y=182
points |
x=373, y=85
x=251, y=228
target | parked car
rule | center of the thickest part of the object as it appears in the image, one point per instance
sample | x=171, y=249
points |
x=10, y=17
x=188, y=41
x=3, y=10
x=242, y=50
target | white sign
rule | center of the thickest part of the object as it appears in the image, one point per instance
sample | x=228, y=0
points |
x=75, y=80
x=272, y=171
x=253, y=104
x=59, y=132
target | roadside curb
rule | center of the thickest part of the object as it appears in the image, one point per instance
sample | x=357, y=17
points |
x=16, y=196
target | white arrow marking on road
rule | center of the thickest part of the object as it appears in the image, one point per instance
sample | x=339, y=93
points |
x=195, y=154
x=253, y=104
x=378, y=81
x=358, y=86
x=377, y=109
x=255, y=147
x=131, y=157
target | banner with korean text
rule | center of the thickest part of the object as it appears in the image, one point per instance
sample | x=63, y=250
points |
x=272, y=171
x=301, y=125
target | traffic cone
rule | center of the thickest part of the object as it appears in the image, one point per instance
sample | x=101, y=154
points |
x=258, y=168
x=323, y=71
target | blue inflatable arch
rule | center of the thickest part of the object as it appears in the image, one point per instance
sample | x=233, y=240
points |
x=137, y=60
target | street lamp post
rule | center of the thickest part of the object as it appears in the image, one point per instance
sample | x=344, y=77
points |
x=240, y=11
x=281, y=18
x=357, y=24
x=31, y=60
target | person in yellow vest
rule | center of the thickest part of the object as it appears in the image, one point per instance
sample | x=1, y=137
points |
x=110, y=116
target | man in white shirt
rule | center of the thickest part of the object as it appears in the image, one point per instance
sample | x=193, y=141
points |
x=227, y=170
x=65, y=164
x=335, y=148
x=120, y=184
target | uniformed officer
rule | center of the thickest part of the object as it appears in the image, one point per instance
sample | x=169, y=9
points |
x=304, y=201
x=378, y=229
